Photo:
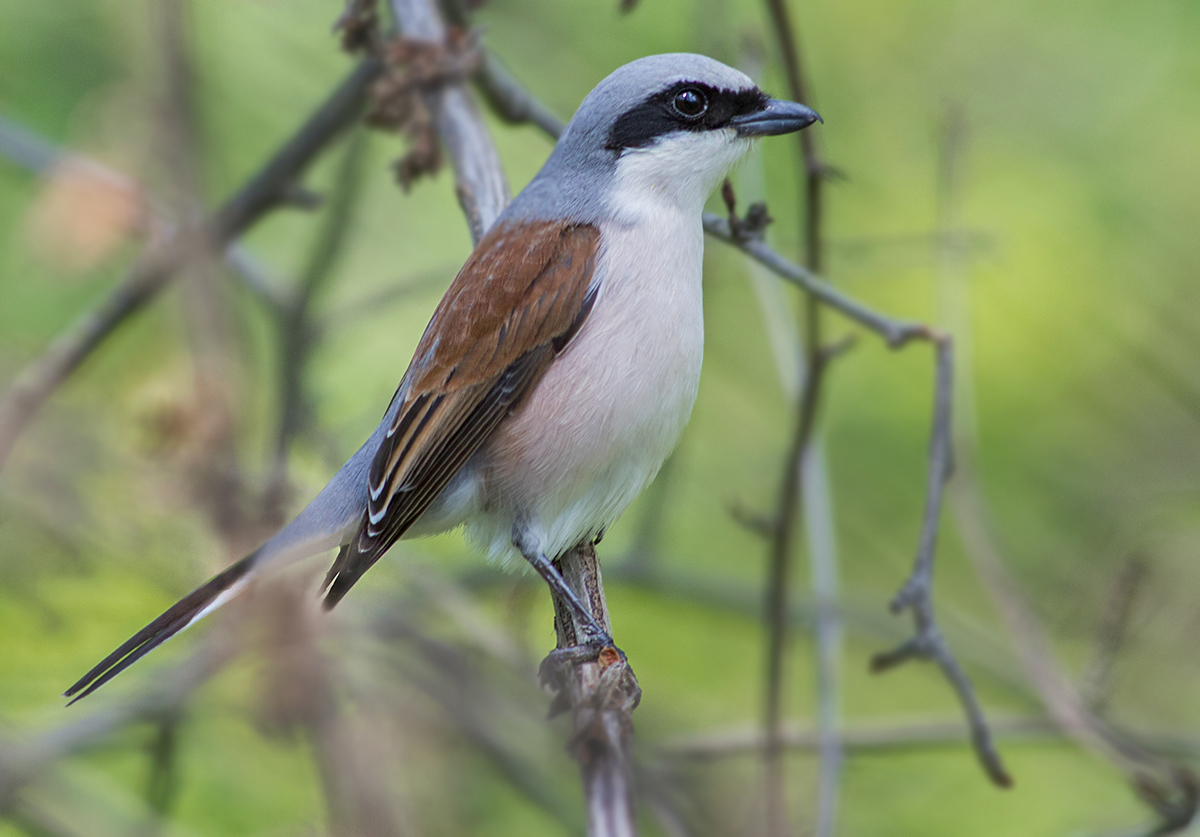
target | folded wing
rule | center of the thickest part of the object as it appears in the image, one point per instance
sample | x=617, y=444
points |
x=525, y=291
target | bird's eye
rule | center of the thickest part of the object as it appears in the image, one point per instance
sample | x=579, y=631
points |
x=690, y=103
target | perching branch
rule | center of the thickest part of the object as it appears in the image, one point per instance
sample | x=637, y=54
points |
x=601, y=694
x=268, y=189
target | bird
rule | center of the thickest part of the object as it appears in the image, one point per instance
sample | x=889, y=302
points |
x=559, y=369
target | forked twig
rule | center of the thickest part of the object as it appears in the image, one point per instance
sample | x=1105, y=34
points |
x=916, y=595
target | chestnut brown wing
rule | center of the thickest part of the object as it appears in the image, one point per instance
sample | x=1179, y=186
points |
x=521, y=296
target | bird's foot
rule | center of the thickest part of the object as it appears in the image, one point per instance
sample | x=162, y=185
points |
x=561, y=661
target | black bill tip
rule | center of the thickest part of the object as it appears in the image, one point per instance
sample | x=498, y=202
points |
x=778, y=117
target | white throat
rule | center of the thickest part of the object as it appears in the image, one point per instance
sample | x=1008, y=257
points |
x=679, y=171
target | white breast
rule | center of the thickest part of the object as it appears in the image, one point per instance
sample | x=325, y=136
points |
x=611, y=407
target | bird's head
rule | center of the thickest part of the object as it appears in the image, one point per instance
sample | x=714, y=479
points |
x=665, y=127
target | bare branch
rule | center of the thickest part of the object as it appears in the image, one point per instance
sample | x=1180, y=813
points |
x=267, y=189
x=804, y=480
x=861, y=741
x=452, y=677
x=916, y=595
x=479, y=177
x=601, y=694
x=778, y=588
x=297, y=331
x=1097, y=681
x=21, y=762
x=509, y=98
x=895, y=332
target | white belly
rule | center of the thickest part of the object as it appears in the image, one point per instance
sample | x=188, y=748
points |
x=609, y=410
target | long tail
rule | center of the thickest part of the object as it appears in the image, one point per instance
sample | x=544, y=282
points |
x=326, y=522
x=191, y=608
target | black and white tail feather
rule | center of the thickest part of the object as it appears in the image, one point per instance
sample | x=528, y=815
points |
x=328, y=521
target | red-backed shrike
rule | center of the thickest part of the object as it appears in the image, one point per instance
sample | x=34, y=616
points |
x=561, y=366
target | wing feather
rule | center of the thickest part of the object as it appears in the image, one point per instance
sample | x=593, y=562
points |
x=520, y=298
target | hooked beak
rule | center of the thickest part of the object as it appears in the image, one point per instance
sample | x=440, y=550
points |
x=778, y=117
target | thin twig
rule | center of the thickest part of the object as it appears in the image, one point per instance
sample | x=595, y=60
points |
x=896, y=333
x=1173, y=790
x=805, y=478
x=267, y=189
x=297, y=329
x=916, y=595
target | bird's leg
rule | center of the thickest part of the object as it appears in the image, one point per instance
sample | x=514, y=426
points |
x=594, y=637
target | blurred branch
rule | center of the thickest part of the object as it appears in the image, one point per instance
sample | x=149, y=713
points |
x=163, y=781
x=257, y=278
x=428, y=281
x=904, y=738
x=36, y=821
x=782, y=537
x=862, y=741
x=804, y=479
x=21, y=762
x=452, y=676
x=297, y=329
x=26, y=148
x=269, y=188
x=509, y=98
x=1172, y=790
x=1097, y=682
x=480, y=183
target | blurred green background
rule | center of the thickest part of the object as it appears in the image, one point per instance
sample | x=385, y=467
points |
x=1070, y=134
